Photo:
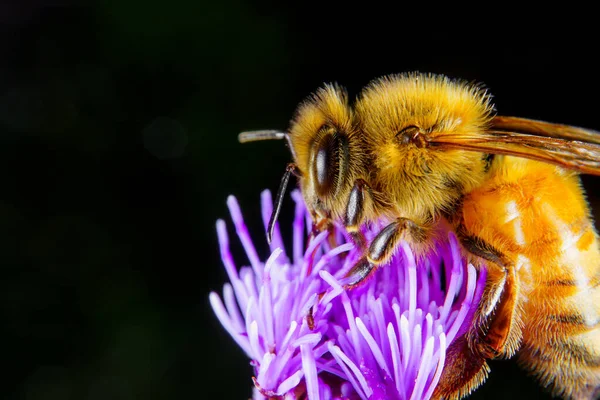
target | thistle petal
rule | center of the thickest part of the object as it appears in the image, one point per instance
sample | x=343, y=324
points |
x=385, y=339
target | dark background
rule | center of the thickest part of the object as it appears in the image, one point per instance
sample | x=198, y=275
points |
x=118, y=125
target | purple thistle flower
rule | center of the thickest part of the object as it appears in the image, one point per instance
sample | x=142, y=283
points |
x=385, y=339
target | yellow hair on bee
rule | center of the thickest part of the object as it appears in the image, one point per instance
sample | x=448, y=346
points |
x=435, y=103
x=328, y=106
x=422, y=179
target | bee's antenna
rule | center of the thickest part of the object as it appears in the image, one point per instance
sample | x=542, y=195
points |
x=253, y=136
x=279, y=200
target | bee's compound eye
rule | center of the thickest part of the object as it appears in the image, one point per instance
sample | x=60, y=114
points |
x=326, y=166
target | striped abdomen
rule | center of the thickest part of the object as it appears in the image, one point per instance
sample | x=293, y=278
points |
x=537, y=215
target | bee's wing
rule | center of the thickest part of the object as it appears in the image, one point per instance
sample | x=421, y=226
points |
x=547, y=129
x=567, y=146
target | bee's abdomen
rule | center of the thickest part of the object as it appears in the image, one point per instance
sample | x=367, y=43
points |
x=561, y=337
x=537, y=215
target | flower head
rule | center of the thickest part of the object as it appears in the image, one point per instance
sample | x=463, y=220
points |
x=385, y=339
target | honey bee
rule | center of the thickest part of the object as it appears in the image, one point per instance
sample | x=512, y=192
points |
x=428, y=153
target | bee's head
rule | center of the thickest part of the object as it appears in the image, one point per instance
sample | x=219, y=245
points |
x=324, y=144
x=327, y=150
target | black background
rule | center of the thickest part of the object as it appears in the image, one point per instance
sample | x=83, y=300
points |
x=118, y=132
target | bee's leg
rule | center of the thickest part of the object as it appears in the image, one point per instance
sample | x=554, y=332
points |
x=320, y=224
x=464, y=370
x=354, y=213
x=352, y=219
x=382, y=248
x=352, y=216
x=466, y=367
x=502, y=335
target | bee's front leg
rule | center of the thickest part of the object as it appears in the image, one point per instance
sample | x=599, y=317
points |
x=354, y=213
x=382, y=248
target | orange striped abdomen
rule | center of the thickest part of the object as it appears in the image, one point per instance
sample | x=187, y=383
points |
x=536, y=214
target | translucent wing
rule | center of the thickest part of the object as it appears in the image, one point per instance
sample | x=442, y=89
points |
x=567, y=146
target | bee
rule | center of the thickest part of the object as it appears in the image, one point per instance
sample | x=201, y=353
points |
x=427, y=153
